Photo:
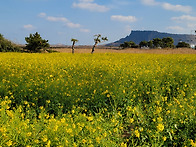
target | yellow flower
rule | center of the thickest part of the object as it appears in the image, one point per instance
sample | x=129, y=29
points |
x=48, y=101
x=159, y=119
x=160, y=127
x=69, y=130
x=123, y=144
x=164, y=138
x=48, y=144
x=83, y=141
x=29, y=134
x=193, y=143
x=44, y=138
x=10, y=113
x=36, y=141
x=90, y=118
x=131, y=120
x=98, y=139
x=9, y=143
x=137, y=133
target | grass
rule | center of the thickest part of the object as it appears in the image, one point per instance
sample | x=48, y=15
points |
x=97, y=100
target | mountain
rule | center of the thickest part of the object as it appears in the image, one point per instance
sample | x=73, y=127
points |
x=138, y=36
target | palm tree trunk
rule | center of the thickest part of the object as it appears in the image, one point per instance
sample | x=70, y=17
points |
x=73, y=47
x=93, y=49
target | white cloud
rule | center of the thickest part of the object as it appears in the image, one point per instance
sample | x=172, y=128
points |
x=85, y=30
x=184, y=18
x=29, y=27
x=179, y=8
x=73, y=25
x=86, y=1
x=123, y=18
x=168, y=6
x=90, y=5
x=191, y=25
x=57, y=19
x=42, y=14
x=149, y=2
x=175, y=28
x=63, y=20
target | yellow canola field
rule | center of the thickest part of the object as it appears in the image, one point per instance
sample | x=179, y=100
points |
x=110, y=99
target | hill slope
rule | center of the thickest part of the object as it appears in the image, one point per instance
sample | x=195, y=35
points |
x=138, y=36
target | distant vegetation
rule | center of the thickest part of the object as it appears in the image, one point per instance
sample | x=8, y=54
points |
x=35, y=43
x=183, y=44
x=167, y=42
x=138, y=36
x=8, y=46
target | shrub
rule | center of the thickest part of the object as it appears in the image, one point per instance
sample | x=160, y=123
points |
x=182, y=44
x=7, y=46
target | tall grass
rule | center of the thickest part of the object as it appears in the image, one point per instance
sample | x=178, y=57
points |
x=97, y=100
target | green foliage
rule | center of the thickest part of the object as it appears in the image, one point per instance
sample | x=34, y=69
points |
x=157, y=42
x=167, y=42
x=150, y=44
x=98, y=39
x=51, y=51
x=182, y=44
x=129, y=44
x=8, y=46
x=143, y=44
x=35, y=43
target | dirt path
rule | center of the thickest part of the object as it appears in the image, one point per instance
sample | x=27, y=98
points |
x=148, y=51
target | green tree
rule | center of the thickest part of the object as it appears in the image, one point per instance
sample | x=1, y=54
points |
x=157, y=42
x=167, y=42
x=182, y=44
x=98, y=39
x=150, y=44
x=74, y=41
x=129, y=44
x=8, y=46
x=143, y=44
x=35, y=43
x=126, y=44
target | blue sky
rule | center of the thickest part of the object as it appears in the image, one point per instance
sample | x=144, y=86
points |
x=60, y=20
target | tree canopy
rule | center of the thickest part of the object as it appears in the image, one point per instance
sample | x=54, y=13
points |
x=35, y=43
x=97, y=40
x=129, y=44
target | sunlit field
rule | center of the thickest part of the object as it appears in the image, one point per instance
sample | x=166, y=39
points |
x=102, y=99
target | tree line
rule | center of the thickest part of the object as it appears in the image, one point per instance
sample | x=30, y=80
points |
x=166, y=42
x=35, y=43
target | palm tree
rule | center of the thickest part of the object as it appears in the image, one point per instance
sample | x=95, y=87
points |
x=98, y=40
x=74, y=41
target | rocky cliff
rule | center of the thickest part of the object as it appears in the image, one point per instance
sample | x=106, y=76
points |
x=138, y=36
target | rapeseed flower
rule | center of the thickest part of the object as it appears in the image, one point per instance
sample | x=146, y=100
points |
x=160, y=127
x=137, y=133
x=131, y=120
x=9, y=143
